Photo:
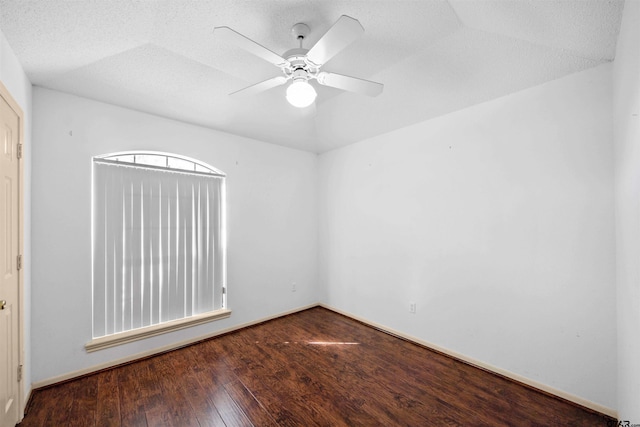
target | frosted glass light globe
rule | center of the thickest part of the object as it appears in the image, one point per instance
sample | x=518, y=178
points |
x=301, y=94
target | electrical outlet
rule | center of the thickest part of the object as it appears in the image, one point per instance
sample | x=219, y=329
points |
x=412, y=307
x=293, y=287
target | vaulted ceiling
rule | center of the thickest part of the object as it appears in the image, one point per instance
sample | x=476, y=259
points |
x=433, y=56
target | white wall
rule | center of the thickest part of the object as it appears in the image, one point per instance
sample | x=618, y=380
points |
x=272, y=223
x=15, y=80
x=626, y=98
x=498, y=222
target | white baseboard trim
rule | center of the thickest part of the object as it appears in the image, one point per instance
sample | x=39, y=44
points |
x=516, y=377
x=25, y=402
x=163, y=349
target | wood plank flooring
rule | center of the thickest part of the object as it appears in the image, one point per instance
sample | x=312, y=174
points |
x=313, y=368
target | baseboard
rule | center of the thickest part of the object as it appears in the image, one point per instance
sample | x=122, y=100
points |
x=145, y=354
x=493, y=369
x=25, y=404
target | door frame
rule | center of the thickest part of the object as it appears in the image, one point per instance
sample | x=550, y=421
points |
x=6, y=95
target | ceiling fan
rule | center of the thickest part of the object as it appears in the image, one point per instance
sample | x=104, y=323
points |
x=301, y=65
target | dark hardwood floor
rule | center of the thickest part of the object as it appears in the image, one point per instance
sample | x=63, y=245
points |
x=311, y=368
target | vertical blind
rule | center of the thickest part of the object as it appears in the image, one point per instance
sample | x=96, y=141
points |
x=158, y=237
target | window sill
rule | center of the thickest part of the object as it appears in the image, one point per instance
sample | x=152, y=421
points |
x=150, y=331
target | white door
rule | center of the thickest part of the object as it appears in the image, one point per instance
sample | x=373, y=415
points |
x=9, y=276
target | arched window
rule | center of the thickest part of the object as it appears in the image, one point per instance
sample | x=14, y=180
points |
x=158, y=241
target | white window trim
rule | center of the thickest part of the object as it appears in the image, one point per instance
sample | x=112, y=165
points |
x=153, y=330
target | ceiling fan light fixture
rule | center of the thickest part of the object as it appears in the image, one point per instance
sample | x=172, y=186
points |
x=299, y=65
x=301, y=94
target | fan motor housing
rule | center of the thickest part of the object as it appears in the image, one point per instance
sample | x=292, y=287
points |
x=299, y=66
x=295, y=54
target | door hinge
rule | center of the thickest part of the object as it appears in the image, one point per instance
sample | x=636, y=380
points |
x=19, y=263
x=19, y=151
x=224, y=291
x=19, y=373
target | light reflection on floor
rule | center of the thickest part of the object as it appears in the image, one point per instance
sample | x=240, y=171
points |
x=331, y=343
x=320, y=343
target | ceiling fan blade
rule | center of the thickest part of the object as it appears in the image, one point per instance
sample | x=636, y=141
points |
x=250, y=46
x=261, y=87
x=351, y=84
x=339, y=36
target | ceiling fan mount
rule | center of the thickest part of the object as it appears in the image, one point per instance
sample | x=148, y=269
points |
x=300, y=31
x=301, y=65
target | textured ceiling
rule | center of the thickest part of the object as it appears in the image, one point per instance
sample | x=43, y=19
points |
x=433, y=57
